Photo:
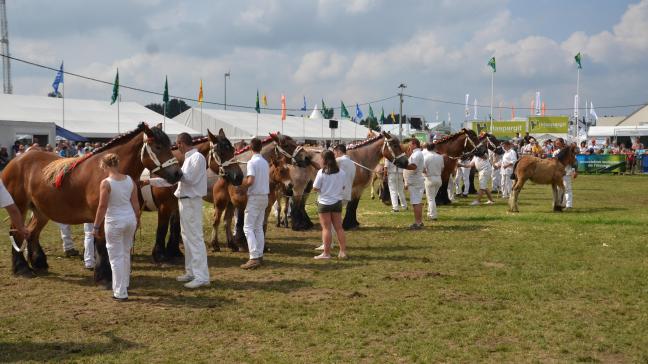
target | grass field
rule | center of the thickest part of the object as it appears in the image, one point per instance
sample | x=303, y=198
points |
x=479, y=285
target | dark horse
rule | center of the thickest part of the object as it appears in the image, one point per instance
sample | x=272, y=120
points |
x=66, y=190
x=453, y=147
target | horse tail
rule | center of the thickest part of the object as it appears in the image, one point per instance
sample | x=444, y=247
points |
x=513, y=176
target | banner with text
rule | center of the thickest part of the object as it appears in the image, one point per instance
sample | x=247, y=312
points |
x=548, y=124
x=501, y=129
x=601, y=163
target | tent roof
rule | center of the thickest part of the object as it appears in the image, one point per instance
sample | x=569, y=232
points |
x=610, y=131
x=88, y=118
x=639, y=117
x=239, y=125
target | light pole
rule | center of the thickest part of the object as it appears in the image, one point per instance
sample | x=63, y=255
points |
x=227, y=74
x=402, y=86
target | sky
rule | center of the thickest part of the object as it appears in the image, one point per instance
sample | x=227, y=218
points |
x=352, y=50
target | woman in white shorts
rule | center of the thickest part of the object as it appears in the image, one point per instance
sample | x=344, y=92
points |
x=485, y=169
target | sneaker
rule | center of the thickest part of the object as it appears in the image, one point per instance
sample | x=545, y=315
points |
x=196, y=283
x=343, y=256
x=489, y=202
x=322, y=256
x=415, y=226
x=395, y=210
x=71, y=253
x=321, y=247
x=117, y=299
x=475, y=203
x=252, y=264
x=89, y=267
x=432, y=218
x=185, y=278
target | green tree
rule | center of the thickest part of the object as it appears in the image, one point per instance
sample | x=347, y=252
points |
x=175, y=107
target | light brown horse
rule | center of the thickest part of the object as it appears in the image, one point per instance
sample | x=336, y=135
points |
x=542, y=171
x=66, y=190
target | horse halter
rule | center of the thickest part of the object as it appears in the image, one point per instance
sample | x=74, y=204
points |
x=217, y=159
x=387, y=145
x=280, y=150
x=147, y=148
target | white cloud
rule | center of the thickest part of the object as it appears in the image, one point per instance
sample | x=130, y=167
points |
x=319, y=65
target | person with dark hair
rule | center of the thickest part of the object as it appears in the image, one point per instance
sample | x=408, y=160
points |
x=414, y=182
x=330, y=183
x=257, y=186
x=482, y=164
x=433, y=162
x=570, y=174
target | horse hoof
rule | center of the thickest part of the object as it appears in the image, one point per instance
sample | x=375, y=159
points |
x=215, y=248
x=25, y=273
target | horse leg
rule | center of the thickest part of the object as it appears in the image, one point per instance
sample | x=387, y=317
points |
x=158, y=253
x=285, y=211
x=558, y=193
x=229, y=236
x=102, y=271
x=35, y=254
x=373, y=194
x=173, y=252
x=218, y=212
x=513, y=199
x=350, y=218
x=239, y=236
x=19, y=264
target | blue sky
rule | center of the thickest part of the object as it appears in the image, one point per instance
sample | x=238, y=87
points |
x=351, y=50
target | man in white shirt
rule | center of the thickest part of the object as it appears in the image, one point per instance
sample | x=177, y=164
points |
x=191, y=189
x=414, y=182
x=593, y=146
x=7, y=202
x=506, y=167
x=462, y=175
x=257, y=186
x=396, y=186
x=495, y=160
x=570, y=172
x=433, y=162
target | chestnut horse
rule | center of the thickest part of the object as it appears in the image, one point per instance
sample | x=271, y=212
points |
x=542, y=171
x=66, y=190
x=453, y=147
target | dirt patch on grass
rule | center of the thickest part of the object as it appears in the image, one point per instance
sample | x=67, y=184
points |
x=493, y=265
x=312, y=295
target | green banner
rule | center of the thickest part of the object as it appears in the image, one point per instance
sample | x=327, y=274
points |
x=548, y=124
x=501, y=129
x=422, y=137
x=601, y=163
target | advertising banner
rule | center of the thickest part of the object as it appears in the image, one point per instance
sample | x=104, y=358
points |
x=601, y=163
x=548, y=124
x=501, y=129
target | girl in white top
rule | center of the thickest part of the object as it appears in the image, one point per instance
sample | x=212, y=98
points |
x=330, y=183
x=485, y=169
x=119, y=207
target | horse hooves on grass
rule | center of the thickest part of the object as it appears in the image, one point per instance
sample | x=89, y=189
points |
x=25, y=272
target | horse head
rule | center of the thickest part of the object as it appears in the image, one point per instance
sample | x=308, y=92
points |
x=393, y=152
x=280, y=173
x=287, y=148
x=156, y=154
x=221, y=158
x=491, y=143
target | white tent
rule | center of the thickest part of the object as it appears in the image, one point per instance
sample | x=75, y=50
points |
x=239, y=125
x=315, y=114
x=614, y=131
x=88, y=118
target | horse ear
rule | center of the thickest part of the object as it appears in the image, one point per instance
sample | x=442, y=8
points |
x=159, y=126
x=148, y=131
x=221, y=133
x=212, y=137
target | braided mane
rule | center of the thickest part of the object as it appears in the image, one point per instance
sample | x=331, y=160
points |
x=265, y=141
x=450, y=137
x=364, y=142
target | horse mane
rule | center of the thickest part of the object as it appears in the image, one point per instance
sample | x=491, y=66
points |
x=364, y=142
x=450, y=137
x=265, y=141
x=121, y=139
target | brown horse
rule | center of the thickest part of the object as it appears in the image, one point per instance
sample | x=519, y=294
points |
x=66, y=190
x=217, y=150
x=542, y=171
x=453, y=147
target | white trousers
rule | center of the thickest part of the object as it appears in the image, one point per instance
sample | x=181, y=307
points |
x=191, y=229
x=396, y=190
x=569, y=193
x=119, y=240
x=253, y=224
x=463, y=174
x=507, y=184
x=432, y=186
x=497, y=179
x=66, y=236
x=88, y=245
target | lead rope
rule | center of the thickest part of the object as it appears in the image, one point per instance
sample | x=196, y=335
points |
x=217, y=159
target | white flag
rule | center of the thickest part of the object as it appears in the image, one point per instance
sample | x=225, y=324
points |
x=466, y=109
x=576, y=106
x=592, y=112
x=475, y=109
x=315, y=114
x=538, y=111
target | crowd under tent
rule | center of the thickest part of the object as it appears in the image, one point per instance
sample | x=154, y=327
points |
x=92, y=119
x=241, y=125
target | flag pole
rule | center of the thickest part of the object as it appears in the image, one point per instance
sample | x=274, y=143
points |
x=491, y=101
x=118, y=101
x=257, y=125
x=63, y=104
x=164, y=114
x=201, y=121
x=577, y=95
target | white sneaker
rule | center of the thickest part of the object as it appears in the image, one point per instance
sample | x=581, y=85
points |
x=489, y=202
x=196, y=283
x=321, y=247
x=322, y=256
x=185, y=278
x=475, y=203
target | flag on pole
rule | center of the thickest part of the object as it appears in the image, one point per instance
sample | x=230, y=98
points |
x=475, y=109
x=538, y=104
x=371, y=113
x=304, y=108
x=200, y=94
x=58, y=80
x=257, y=106
x=393, y=117
x=491, y=63
x=359, y=113
x=382, y=115
x=115, y=93
x=592, y=112
x=344, y=113
x=543, y=109
x=466, y=108
x=512, y=112
x=576, y=106
x=323, y=111
x=578, y=59
x=532, y=109
x=265, y=100
x=283, y=107
x=165, y=96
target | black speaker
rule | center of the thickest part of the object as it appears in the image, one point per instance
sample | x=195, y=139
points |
x=333, y=124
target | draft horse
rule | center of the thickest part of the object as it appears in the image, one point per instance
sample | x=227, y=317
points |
x=453, y=147
x=66, y=190
x=542, y=171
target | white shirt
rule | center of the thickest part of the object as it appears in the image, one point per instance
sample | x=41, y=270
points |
x=482, y=164
x=119, y=200
x=258, y=167
x=346, y=164
x=509, y=157
x=415, y=177
x=331, y=187
x=5, y=197
x=194, y=176
x=391, y=167
x=433, y=162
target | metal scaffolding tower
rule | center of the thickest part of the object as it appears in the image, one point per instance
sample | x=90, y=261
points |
x=4, y=49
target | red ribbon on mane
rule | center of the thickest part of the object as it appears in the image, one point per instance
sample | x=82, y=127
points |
x=247, y=147
x=58, y=182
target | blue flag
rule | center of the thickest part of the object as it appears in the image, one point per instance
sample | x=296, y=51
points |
x=304, y=107
x=58, y=80
x=359, y=113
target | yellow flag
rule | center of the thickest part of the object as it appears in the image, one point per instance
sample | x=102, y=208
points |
x=393, y=117
x=265, y=100
x=200, y=94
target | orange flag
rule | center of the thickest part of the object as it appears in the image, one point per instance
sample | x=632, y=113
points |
x=532, y=107
x=283, y=107
x=543, y=109
x=200, y=94
x=512, y=112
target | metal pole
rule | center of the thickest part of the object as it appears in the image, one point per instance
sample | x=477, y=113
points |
x=164, y=114
x=227, y=74
x=63, y=104
x=118, y=101
x=257, y=126
x=577, y=94
x=400, y=115
x=491, y=104
x=201, y=121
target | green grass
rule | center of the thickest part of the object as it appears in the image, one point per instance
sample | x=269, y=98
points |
x=479, y=285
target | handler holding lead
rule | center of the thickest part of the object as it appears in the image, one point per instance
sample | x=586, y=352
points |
x=7, y=202
x=257, y=184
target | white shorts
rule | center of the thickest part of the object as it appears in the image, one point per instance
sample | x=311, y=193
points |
x=416, y=193
x=484, y=178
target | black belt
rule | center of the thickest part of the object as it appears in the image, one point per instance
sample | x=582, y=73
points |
x=183, y=197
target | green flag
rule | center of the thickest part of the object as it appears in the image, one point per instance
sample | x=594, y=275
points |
x=371, y=114
x=323, y=111
x=492, y=64
x=382, y=115
x=344, y=113
x=578, y=60
x=258, y=107
x=165, y=97
x=115, y=94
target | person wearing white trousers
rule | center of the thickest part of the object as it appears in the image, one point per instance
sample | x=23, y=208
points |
x=570, y=173
x=88, y=243
x=506, y=168
x=396, y=186
x=463, y=174
x=433, y=163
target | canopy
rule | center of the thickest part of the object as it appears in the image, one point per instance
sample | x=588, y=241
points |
x=239, y=125
x=68, y=135
x=612, y=131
